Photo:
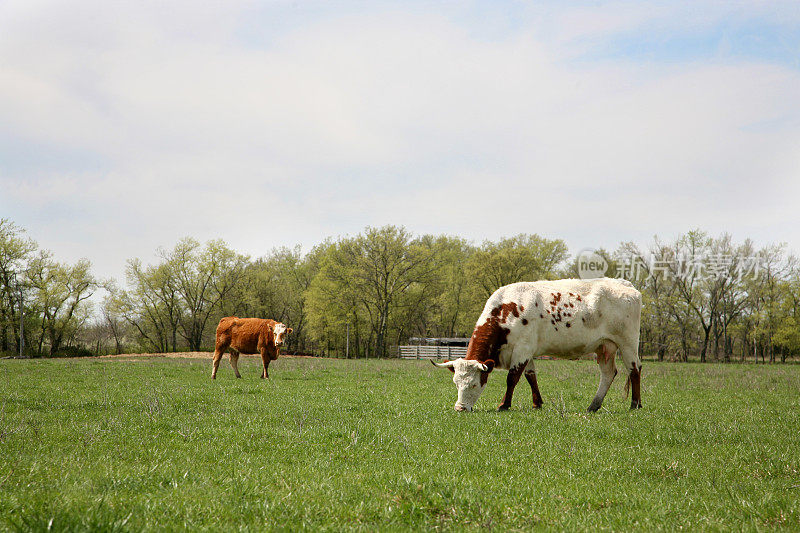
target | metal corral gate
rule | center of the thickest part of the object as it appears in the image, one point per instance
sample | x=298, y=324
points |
x=431, y=352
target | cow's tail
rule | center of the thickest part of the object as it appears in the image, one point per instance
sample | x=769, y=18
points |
x=628, y=381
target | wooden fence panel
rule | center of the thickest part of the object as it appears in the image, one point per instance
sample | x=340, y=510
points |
x=431, y=352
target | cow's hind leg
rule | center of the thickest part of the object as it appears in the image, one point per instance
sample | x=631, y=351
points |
x=530, y=375
x=635, y=379
x=606, y=354
x=511, y=382
x=215, y=364
x=235, y=362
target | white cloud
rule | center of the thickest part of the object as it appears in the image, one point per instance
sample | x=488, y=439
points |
x=379, y=117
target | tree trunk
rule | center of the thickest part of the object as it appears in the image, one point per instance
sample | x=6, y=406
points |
x=3, y=333
x=726, y=343
x=703, y=351
x=684, y=346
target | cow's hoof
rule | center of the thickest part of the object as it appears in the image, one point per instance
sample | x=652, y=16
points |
x=503, y=407
x=594, y=408
x=636, y=406
x=537, y=406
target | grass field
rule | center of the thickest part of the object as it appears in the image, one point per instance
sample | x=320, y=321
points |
x=122, y=444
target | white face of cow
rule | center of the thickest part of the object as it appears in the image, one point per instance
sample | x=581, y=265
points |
x=280, y=331
x=470, y=379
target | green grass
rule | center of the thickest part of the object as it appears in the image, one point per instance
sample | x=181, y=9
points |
x=118, y=445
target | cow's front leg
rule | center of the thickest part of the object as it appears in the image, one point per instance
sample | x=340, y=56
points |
x=265, y=363
x=530, y=375
x=606, y=355
x=511, y=381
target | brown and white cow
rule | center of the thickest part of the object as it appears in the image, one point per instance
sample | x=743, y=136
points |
x=564, y=318
x=248, y=335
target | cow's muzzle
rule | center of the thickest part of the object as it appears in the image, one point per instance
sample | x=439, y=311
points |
x=461, y=408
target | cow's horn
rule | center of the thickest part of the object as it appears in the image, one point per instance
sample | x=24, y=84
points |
x=446, y=364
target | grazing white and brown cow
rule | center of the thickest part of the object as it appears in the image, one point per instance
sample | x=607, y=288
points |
x=565, y=318
x=248, y=335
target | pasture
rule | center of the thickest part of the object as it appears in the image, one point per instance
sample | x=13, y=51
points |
x=153, y=443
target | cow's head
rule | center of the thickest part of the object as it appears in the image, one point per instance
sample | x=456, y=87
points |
x=470, y=378
x=280, y=331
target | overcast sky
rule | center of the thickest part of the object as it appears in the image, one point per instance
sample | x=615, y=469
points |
x=125, y=126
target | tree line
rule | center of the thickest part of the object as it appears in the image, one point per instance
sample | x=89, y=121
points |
x=705, y=298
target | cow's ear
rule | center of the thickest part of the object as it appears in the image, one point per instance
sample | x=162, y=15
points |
x=489, y=365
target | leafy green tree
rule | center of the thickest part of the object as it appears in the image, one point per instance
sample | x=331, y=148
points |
x=60, y=293
x=369, y=280
x=274, y=287
x=520, y=258
x=152, y=304
x=113, y=320
x=15, y=253
x=452, y=307
x=659, y=293
x=203, y=276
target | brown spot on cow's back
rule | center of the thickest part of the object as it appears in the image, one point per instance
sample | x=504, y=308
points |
x=524, y=321
x=504, y=310
x=489, y=337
